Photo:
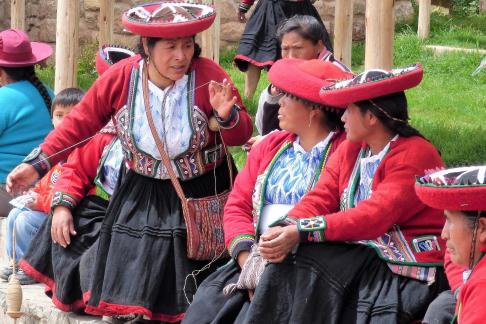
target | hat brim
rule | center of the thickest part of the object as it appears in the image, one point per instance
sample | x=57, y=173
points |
x=40, y=52
x=161, y=29
x=102, y=64
x=467, y=198
x=286, y=76
x=344, y=93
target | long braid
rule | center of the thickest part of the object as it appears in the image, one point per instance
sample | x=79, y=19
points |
x=28, y=73
x=32, y=78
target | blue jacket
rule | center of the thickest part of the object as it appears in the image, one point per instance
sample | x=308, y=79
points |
x=24, y=123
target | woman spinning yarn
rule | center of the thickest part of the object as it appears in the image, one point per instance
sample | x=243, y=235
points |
x=141, y=261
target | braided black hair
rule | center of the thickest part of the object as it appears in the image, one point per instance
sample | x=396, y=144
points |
x=393, y=113
x=28, y=73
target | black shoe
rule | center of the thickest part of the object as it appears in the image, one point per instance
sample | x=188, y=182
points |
x=5, y=272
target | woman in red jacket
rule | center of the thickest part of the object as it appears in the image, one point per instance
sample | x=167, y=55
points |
x=279, y=172
x=142, y=260
x=368, y=250
x=461, y=193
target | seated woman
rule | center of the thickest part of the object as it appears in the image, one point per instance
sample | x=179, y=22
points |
x=368, y=251
x=25, y=103
x=86, y=183
x=80, y=200
x=279, y=171
x=461, y=192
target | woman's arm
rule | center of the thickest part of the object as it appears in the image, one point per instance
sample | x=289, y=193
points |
x=79, y=172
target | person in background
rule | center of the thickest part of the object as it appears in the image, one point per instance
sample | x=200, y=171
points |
x=300, y=37
x=461, y=192
x=32, y=208
x=258, y=47
x=25, y=103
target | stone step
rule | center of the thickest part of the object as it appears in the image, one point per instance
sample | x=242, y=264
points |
x=36, y=306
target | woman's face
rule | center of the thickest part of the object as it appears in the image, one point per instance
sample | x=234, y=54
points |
x=172, y=57
x=356, y=123
x=458, y=236
x=296, y=47
x=293, y=114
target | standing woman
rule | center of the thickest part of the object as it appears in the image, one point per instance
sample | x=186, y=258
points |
x=141, y=261
x=24, y=103
x=369, y=251
x=259, y=47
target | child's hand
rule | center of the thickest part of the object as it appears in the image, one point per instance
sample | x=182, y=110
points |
x=62, y=226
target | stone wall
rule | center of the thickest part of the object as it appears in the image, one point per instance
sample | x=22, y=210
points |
x=41, y=19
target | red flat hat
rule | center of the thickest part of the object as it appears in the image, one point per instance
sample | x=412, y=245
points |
x=168, y=19
x=16, y=50
x=461, y=189
x=304, y=78
x=371, y=84
x=109, y=55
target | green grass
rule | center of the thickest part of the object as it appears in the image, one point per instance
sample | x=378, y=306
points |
x=448, y=107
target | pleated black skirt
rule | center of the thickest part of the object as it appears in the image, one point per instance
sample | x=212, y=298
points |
x=140, y=263
x=333, y=283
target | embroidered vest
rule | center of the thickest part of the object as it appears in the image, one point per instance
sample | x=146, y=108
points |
x=189, y=164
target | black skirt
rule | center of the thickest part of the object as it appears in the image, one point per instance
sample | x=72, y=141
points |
x=322, y=283
x=140, y=264
x=259, y=44
x=58, y=267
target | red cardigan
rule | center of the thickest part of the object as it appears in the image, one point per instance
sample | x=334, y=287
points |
x=470, y=305
x=239, y=217
x=393, y=201
x=109, y=93
x=80, y=170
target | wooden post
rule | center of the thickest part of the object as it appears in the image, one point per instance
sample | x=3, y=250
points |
x=380, y=24
x=17, y=14
x=424, y=19
x=343, y=31
x=210, y=38
x=67, y=25
x=107, y=13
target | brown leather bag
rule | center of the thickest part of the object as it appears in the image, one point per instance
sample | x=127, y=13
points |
x=203, y=216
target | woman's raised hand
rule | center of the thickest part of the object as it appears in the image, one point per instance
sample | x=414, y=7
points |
x=221, y=98
x=21, y=178
x=62, y=226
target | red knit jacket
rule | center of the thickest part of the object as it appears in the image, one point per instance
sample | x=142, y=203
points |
x=470, y=305
x=239, y=216
x=109, y=93
x=81, y=168
x=393, y=200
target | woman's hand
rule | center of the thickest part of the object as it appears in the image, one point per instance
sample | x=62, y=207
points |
x=277, y=242
x=21, y=178
x=221, y=98
x=62, y=226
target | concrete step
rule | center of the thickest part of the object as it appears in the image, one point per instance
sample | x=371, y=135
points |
x=36, y=306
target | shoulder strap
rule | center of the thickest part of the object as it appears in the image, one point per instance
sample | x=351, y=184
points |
x=160, y=146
